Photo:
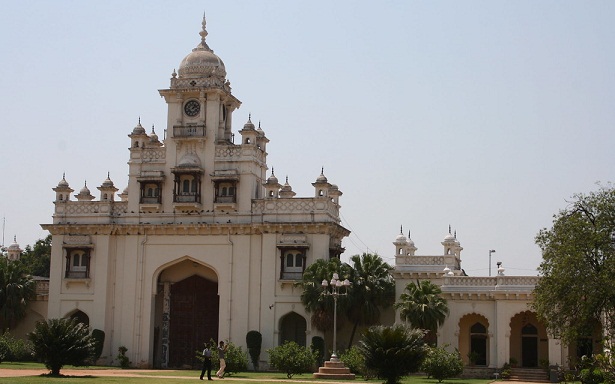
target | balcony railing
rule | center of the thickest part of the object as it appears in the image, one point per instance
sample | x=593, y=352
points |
x=188, y=198
x=188, y=131
x=225, y=199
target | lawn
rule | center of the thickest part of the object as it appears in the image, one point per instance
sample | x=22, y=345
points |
x=89, y=376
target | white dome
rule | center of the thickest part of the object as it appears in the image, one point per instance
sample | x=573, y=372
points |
x=201, y=62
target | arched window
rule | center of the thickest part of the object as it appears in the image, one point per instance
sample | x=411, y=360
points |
x=77, y=264
x=293, y=264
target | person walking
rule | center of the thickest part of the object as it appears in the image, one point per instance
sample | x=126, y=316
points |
x=221, y=355
x=206, y=362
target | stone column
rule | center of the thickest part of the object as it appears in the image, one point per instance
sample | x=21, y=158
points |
x=166, y=317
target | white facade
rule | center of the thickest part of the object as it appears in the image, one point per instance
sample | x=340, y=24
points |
x=201, y=244
x=490, y=316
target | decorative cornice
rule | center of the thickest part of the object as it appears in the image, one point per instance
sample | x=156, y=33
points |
x=197, y=229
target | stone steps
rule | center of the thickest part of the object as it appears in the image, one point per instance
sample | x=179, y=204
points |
x=334, y=370
x=533, y=375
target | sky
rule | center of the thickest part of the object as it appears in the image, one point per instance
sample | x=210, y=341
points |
x=487, y=116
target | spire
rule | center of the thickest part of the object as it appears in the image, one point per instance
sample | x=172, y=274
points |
x=203, y=33
x=449, y=229
x=401, y=229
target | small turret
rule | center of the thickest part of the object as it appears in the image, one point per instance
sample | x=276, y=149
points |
x=272, y=187
x=107, y=190
x=13, y=251
x=63, y=191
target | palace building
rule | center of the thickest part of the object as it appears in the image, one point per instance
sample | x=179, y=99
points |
x=201, y=244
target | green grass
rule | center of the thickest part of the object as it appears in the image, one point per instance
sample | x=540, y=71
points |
x=86, y=376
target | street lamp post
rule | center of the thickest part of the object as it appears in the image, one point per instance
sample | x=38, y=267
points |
x=490, y=252
x=336, y=286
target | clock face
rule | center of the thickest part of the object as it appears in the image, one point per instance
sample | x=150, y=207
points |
x=192, y=108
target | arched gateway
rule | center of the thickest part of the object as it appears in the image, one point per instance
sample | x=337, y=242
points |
x=187, y=314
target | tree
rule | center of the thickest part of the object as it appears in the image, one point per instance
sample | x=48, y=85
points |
x=312, y=298
x=373, y=289
x=254, y=340
x=423, y=307
x=442, y=364
x=17, y=289
x=37, y=259
x=58, y=342
x=393, y=352
x=577, y=286
x=292, y=359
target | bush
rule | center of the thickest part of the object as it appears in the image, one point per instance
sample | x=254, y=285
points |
x=318, y=347
x=355, y=361
x=4, y=350
x=442, y=364
x=58, y=342
x=122, y=358
x=15, y=349
x=254, y=341
x=292, y=359
x=393, y=352
x=99, y=339
x=591, y=376
x=235, y=358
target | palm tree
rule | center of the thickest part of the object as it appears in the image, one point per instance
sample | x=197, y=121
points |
x=422, y=306
x=372, y=290
x=319, y=305
x=393, y=352
x=60, y=342
x=17, y=289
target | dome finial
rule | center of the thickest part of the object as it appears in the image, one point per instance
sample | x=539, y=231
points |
x=272, y=172
x=449, y=229
x=203, y=34
x=401, y=229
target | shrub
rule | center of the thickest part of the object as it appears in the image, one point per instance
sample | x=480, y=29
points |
x=12, y=349
x=58, y=342
x=506, y=371
x=591, y=376
x=318, y=347
x=99, y=339
x=235, y=358
x=4, y=350
x=442, y=364
x=254, y=341
x=393, y=352
x=122, y=358
x=292, y=359
x=355, y=361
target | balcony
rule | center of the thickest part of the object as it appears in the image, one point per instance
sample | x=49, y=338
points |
x=189, y=131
